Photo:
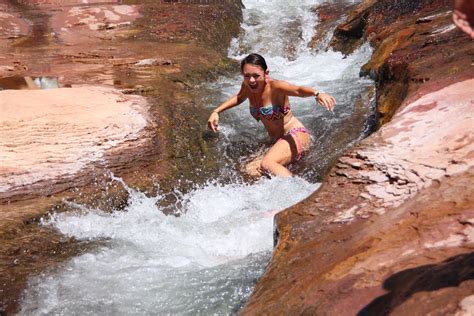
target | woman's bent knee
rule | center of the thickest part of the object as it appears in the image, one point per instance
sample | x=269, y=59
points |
x=254, y=168
x=273, y=167
x=268, y=164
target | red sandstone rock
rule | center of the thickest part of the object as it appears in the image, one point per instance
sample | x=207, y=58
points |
x=413, y=42
x=329, y=15
x=11, y=26
x=346, y=259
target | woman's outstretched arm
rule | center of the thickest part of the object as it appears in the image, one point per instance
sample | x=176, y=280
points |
x=213, y=121
x=303, y=92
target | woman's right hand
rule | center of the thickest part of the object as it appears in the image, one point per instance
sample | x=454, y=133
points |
x=326, y=100
x=213, y=122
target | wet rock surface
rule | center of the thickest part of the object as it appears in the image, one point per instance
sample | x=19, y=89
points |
x=415, y=43
x=329, y=15
x=125, y=79
x=390, y=230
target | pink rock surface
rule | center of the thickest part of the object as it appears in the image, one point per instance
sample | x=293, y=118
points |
x=73, y=25
x=95, y=18
x=422, y=144
x=11, y=26
x=51, y=134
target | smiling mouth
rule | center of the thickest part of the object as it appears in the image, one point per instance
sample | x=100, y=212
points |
x=253, y=86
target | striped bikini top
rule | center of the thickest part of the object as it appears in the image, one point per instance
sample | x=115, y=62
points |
x=269, y=112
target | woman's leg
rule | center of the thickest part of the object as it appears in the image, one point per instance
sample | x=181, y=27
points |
x=253, y=167
x=276, y=158
x=283, y=152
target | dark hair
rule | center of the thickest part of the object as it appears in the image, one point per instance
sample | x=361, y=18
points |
x=254, y=59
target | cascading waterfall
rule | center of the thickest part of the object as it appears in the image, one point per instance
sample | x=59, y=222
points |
x=209, y=258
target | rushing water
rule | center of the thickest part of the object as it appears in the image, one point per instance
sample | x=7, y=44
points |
x=208, y=259
x=281, y=32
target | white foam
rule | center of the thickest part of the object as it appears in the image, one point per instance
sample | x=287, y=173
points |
x=220, y=224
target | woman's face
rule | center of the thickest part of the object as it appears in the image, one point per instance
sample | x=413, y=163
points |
x=254, y=77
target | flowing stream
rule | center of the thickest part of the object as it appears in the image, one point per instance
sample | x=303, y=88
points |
x=208, y=259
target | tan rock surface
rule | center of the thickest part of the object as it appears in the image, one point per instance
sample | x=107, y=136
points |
x=48, y=135
x=422, y=145
x=73, y=25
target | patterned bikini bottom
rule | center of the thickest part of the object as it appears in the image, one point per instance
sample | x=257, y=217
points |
x=294, y=134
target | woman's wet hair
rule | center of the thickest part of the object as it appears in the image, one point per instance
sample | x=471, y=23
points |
x=254, y=59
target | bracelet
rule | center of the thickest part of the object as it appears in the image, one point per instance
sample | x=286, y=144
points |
x=317, y=94
x=215, y=111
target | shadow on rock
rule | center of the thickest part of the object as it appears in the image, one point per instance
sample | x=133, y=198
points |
x=402, y=285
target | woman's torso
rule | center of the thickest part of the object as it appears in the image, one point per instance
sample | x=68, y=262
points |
x=273, y=109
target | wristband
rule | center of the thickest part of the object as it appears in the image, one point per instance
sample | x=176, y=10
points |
x=317, y=94
x=215, y=111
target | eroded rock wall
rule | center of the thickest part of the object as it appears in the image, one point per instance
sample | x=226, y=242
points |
x=390, y=231
x=416, y=45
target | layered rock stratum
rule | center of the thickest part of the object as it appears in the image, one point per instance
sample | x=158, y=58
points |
x=51, y=135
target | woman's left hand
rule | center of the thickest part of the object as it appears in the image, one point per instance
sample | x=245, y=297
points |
x=326, y=100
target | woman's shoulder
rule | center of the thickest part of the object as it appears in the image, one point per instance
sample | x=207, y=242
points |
x=274, y=83
x=279, y=86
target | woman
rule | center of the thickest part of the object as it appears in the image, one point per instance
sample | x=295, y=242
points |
x=269, y=103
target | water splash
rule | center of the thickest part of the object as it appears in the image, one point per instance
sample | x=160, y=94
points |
x=275, y=28
x=207, y=259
